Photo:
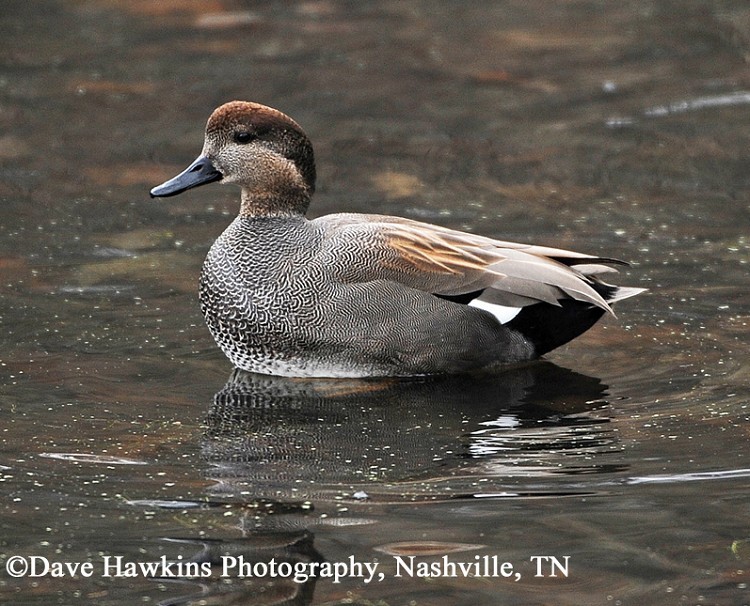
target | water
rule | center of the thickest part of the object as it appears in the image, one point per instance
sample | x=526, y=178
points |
x=615, y=130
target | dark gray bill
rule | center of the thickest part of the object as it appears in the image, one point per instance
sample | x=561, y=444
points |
x=200, y=172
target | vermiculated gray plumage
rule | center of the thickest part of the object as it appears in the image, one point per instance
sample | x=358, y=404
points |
x=280, y=306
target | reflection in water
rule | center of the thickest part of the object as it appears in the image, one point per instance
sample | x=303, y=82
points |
x=279, y=447
x=282, y=438
x=287, y=584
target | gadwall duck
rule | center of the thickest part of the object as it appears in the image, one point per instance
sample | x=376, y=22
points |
x=354, y=295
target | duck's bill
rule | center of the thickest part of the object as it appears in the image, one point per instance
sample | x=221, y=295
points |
x=200, y=172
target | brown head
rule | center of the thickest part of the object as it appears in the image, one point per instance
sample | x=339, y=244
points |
x=259, y=148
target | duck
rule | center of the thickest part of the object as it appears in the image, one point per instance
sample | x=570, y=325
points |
x=350, y=295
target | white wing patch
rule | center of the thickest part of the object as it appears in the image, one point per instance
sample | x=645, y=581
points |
x=502, y=313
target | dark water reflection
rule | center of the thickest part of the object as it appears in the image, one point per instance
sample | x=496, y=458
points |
x=286, y=456
x=608, y=128
x=393, y=440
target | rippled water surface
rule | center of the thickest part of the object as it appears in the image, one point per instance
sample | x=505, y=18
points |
x=618, y=129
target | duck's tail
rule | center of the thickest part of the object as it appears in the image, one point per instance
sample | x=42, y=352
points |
x=548, y=326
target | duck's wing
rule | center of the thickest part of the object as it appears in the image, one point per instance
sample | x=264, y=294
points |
x=452, y=263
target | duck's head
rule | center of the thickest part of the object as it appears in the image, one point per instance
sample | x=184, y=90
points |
x=259, y=148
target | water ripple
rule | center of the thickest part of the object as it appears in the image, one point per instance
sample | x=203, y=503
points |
x=724, y=474
x=82, y=457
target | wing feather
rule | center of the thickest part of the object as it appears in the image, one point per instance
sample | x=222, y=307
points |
x=448, y=262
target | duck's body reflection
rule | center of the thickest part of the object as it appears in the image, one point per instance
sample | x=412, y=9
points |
x=285, y=438
x=279, y=448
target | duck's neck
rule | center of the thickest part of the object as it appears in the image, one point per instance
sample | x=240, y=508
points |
x=274, y=204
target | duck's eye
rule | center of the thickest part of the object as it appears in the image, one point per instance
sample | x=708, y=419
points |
x=243, y=137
